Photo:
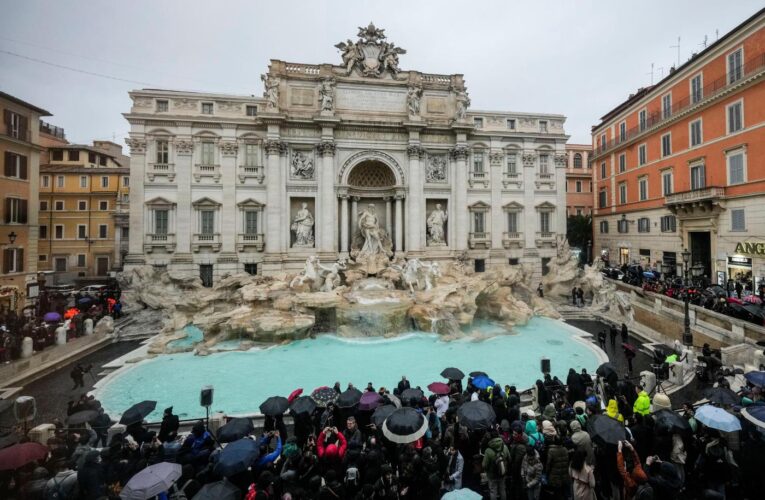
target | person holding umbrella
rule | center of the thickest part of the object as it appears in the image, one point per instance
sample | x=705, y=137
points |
x=168, y=430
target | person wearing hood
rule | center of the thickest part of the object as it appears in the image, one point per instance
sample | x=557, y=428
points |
x=556, y=467
x=548, y=430
x=642, y=404
x=331, y=452
x=583, y=476
x=168, y=430
x=534, y=436
x=612, y=410
x=531, y=474
x=575, y=385
x=543, y=396
x=549, y=412
x=582, y=441
x=197, y=446
x=91, y=477
x=496, y=465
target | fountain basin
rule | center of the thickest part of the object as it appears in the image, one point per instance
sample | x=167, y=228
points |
x=243, y=379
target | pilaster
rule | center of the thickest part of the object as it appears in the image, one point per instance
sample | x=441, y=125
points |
x=416, y=201
x=327, y=228
x=461, y=226
x=229, y=150
x=496, y=162
x=274, y=149
x=184, y=224
x=137, y=201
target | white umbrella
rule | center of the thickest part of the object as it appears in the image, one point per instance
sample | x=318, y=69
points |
x=151, y=481
x=405, y=425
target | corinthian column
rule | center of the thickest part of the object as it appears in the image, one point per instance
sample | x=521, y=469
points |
x=344, y=225
x=399, y=224
x=461, y=226
x=326, y=235
x=415, y=201
x=274, y=243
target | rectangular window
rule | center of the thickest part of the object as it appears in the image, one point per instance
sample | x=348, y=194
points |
x=45, y=181
x=58, y=232
x=666, y=106
x=604, y=227
x=92, y=157
x=622, y=226
x=82, y=205
x=478, y=122
x=735, y=66
x=736, y=171
x=58, y=205
x=43, y=232
x=622, y=193
x=42, y=258
x=603, y=142
x=207, y=222
x=578, y=186
x=103, y=231
x=644, y=225
x=160, y=221
x=16, y=211
x=59, y=181
x=162, y=106
x=642, y=122
x=602, y=198
x=105, y=181
x=622, y=131
x=698, y=177
x=512, y=222
x=737, y=220
x=544, y=222
x=250, y=155
x=83, y=181
x=668, y=224
x=15, y=166
x=57, y=155
x=512, y=167
x=603, y=170
x=643, y=188
x=251, y=222
x=511, y=124
x=544, y=167
x=735, y=117
x=251, y=269
x=81, y=260
x=208, y=153
x=74, y=155
x=543, y=126
x=478, y=163
x=43, y=205
x=478, y=226
x=666, y=144
x=622, y=163
x=125, y=232
x=82, y=231
x=60, y=264
x=666, y=183
x=207, y=108
x=697, y=91
x=695, y=134
x=103, y=205
x=252, y=110
x=13, y=260
x=642, y=156
x=126, y=181
x=102, y=161
x=163, y=152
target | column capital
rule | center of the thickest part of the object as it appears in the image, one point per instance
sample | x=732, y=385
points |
x=496, y=157
x=528, y=158
x=560, y=160
x=326, y=148
x=415, y=151
x=275, y=147
x=342, y=193
x=183, y=146
x=459, y=152
x=229, y=148
x=137, y=145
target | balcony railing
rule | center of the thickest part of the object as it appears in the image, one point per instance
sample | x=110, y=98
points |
x=206, y=170
x=256, y=240
x=255, y=172
x=545, y=238
x=750, y=68
x=159, y=240
x=512, y=239
x=166, y=169
x=544, y=175
x=479, y=240
x=209, y=240
x=709, y=193
x=478, y=177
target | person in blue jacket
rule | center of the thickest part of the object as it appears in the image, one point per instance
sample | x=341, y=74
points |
x=264, y=460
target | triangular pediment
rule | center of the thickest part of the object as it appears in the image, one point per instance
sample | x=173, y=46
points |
x=479, y=205
x=205, y=203
x=160, y=201
x=545, y=206
x=250, y=203
x=513, y=206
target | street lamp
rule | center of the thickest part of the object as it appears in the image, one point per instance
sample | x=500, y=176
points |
x=687, y=335
x=666, y=268
x=12, y=237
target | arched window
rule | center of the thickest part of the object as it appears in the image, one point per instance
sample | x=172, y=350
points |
x=578, y=160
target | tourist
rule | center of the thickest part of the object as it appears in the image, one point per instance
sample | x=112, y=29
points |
x=625, y=334
x=496, y=464
x=642, y=403
x=613, y=333
x=540, y=290
x=580, y=297
x=531, y=474
x=78, y=376
x=602, y=339
x=629, y=355
x=630, y=470
x=582, y=476
x=170, y=424
x=454, y=469
x=403, y=385
x=574, y=296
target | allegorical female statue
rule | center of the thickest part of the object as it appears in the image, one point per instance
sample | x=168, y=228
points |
x=302, y=224
x=436, y=222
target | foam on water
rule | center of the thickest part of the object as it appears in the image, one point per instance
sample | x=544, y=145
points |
x=244, y=379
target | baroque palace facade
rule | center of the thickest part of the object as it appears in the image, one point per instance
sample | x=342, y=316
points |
x=223, y=183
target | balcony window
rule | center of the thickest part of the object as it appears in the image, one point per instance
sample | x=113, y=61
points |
x=544, y=164
x=622, y=131
x=207, y=222
x=544, y=222
x=512, y=164
x=666, y=106
x=478, y=222
x=161, y=217
x=208, y=153
x=622, y=163
x=603, y=170
x=512, y=222
x=603, y=142
x=250, y=222
x=250, y=155
x=697, y=92
x=642, y=119
x=578, y=160
x=735, y=66
x=477, y=163
x=163, y=152
x=698, y=177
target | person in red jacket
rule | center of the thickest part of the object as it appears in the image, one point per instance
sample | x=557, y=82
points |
x=331, y=445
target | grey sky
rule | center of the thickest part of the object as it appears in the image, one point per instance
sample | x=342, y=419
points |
x=578, y=58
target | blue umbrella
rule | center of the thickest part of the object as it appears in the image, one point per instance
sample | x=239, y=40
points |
x=237, y=457
x=755, y=414
x=482, y=382
x=756, y=378
x=52, y=317
x=463, y=494
x=717, y=418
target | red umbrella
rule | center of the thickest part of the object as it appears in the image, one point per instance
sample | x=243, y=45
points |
x=629, y=347
x=439, y=388
x=21, y=454
x=71, y=313
x=752, y=299
x=734, y=300
x=294, y=394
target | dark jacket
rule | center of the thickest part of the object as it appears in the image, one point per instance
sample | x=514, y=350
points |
x=91, y=477
x=169, y=428
x=557, y=466
x=496, y=447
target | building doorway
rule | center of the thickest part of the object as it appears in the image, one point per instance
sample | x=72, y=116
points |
x=479, y=265
x=206, y=275
x=701, y=251
x=624, y=256
x=102, y=266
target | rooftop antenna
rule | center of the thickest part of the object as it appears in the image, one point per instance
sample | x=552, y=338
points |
x=717, y=34
x=704, y=43
x=660, y=69
x=678, y=51
x=651, y=73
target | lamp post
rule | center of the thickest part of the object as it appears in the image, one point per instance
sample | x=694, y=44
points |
x=589, y=253
x=687, y=335
x=12, y=237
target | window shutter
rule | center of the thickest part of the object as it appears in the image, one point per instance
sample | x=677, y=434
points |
x=23, y=210
x=8, y=210
x=8, y=165
x=23, y=167
x=19, y=260
x=7, y=260
x=7, y=120
x=23, y=122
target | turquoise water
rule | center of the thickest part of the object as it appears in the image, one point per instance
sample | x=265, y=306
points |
x=244, y=379
x=193, y=335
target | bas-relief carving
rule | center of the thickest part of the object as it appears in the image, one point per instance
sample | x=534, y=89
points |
x=435, y=171
x=185, y=104
x=560, y=159
x=370, y=54
x=300, y=132
x=302, y=166
x=527, y=122
x=529, y=159
x=229, y=106
x=437, y=138
x=413, y=96
x=183, y=147
x=229, y=148
x=143, y=102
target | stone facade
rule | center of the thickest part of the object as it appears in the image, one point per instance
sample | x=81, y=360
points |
x=218, y=180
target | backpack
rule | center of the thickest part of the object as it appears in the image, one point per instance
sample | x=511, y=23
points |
x=501, y=467
x=539, y=444
x=352, y=476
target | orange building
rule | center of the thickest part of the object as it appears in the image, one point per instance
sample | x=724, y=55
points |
x=20, y=156
x=579, y=198
x=681, y=164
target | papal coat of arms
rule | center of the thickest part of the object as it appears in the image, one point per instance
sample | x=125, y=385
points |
x=370, y=54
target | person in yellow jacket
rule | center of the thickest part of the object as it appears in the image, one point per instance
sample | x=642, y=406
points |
x=612, y=410
x=642, y=403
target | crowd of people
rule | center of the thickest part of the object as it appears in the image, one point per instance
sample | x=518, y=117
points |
x=588, y=438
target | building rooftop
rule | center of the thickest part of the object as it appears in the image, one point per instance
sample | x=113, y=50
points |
x=82, y=169
x=18, y=101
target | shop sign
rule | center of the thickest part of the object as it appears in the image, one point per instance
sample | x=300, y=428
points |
x=740, y=260
x=750, y=247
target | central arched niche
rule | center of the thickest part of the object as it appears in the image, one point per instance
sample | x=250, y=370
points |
x=371, y=174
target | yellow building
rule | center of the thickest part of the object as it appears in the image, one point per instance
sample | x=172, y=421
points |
x=84, y=194
x=20, y=157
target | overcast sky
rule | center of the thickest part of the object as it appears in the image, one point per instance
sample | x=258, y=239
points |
x=577, y=58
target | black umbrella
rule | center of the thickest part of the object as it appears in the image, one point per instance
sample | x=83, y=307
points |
x=608, y=372
x=349, y=398
x=81, y=417
x=478, y=374
x=381, y=413
x=452, y=373
x=477, y=415
x=237, y=457
x=411, y=396
x=137, y=412
x=275, y=405
x=722, y=396
x=303, y=405
x=324, y=395
x=755, y=310
x=235, y=429
x=606, y=430
x=405, y=425
x=219, y=490
x=669, y=422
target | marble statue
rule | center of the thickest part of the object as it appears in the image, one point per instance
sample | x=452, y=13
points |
x=331, y=275
x=319, y=277
x=272, y=91
x=351, y=55
x=302, y=225
x=327, y=94
x=310, y=274
x=436, y=226
x=432, y=273
x=370, y=53
x=463, y=102
x=418, y=275
x=435, y=172
x=369, y=226
x=302, y=167
x=413, y=100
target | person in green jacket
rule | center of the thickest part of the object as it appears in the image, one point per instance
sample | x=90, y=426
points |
x=642, y=403
x=495, y=453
